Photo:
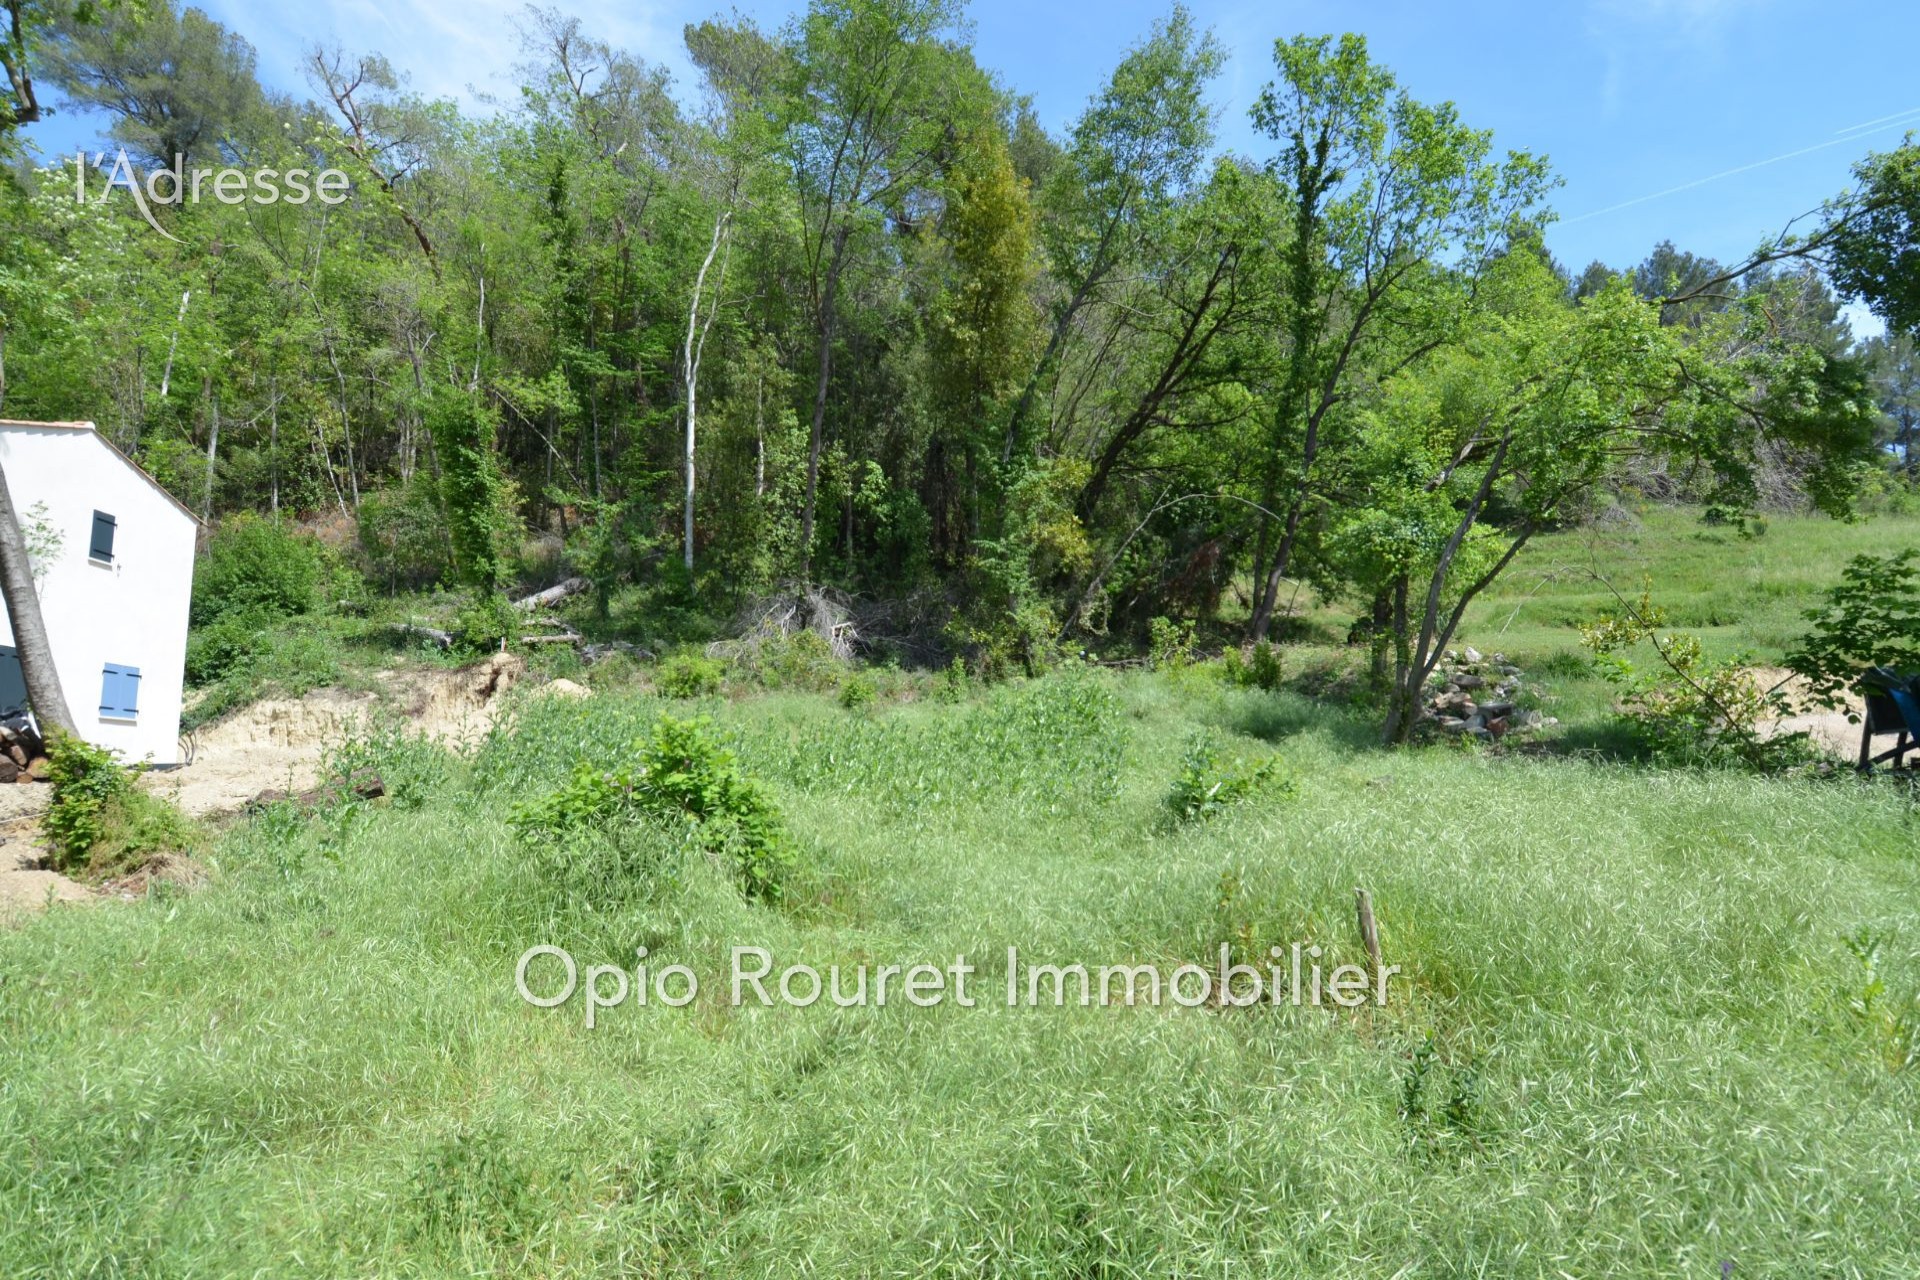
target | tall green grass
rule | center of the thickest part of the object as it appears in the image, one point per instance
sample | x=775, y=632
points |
x=1623, y=1026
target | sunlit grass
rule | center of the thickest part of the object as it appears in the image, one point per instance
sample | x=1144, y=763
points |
x=1636, y=984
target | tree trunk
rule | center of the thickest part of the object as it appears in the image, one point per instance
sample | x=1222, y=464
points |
x=213, y=457
x=828, y=299
x=44, y=694
x=690, y=362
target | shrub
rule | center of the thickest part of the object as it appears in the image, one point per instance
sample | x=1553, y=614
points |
x=688, y=675
x=1169, y=644
x=486, y=623
x=228, y=644
x=857, y=691
x=953, y=684
x=1262, y=670
x=1693, y=710
x=253, y=565
x=404, y=534
x=1204, y=786
x=99, y=822
x=679, y=774
x=1871, y=618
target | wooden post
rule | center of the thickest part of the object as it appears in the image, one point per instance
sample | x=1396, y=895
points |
x=1369, y=932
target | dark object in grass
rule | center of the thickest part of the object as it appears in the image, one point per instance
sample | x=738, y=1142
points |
x=362, y=784
x=1893, y=706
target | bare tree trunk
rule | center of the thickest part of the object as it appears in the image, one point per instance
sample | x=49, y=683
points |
x=690, y=359
x=273, y=443
x=213, y=455
x=759, y=434
x=29, y=628
x=166, y=377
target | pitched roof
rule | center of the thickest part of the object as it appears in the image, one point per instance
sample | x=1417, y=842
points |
x=7, y=423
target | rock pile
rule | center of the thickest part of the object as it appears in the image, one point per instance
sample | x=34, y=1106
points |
x=1474, y=696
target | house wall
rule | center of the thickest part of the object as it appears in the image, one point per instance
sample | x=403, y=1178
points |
x=132, y=612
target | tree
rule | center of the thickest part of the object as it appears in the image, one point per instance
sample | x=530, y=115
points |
x=1537, y=403
x=1130, y=157
x=176, y=83
x=37, y=668
x=1382, y=188
x=982, y=328
x=875, y=95
x=1896, y=384
x=1875, y=234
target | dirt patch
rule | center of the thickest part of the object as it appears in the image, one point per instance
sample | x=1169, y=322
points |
x=279, y=743
x=1829, y=728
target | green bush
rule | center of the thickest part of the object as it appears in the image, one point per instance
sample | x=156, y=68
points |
x=688, y=675
x=679, y=774
x=228, y=644
x=1169, y=644
x=253, y=565
x=1262, y=670
x=99, y=822
x=1205, y=786
x=858, y=691
x=486, y=623
x=403, y=534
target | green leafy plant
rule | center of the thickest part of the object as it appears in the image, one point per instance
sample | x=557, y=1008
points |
x=1169, y=644
x=473, y=1184
x=680, y=773
x=255, y=566
x=1871, y=618
x=1262, y=669
x=1894, y=1029
x=486, y=623
x=1692, y=709
x=99, y=822
x=688, y=675
x=858, y=691
x=1206, y=785
x=953, y=682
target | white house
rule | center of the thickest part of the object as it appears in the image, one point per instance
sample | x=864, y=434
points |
x=113, y=556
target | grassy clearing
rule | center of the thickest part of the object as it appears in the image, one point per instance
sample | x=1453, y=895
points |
x=1635, y=985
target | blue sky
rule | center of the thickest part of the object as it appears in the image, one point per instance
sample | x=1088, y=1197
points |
x=1630, y=98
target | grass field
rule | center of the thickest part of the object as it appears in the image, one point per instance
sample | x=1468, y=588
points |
x=1630, y=1037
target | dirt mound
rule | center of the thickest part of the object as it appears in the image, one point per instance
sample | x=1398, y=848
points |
x=281, y=743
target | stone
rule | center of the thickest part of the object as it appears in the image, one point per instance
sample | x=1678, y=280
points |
x=564, y=688
x=1496, y=710
x=1468, y=682
x=1473, y=654
x=1530, y=720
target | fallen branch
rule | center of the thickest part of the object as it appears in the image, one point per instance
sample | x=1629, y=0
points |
x=554, y=594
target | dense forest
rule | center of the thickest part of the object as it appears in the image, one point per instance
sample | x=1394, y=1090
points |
x=845, y=313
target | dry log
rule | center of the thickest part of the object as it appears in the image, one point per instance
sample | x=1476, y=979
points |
x=408, y=630
x=554, y=594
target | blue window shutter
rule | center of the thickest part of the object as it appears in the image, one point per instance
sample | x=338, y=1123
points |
x=104, y=525
x=119, y=691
